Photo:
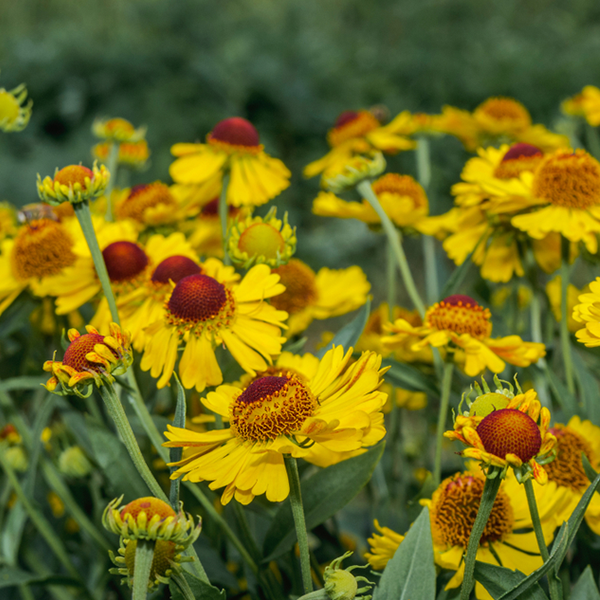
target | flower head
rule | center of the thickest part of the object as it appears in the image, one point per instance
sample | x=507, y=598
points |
x=340, y=584
x=14, y=114
x=90, y=359
x=117, y=130
x=346, y=174
x=73, y=184
x=338, y=408
x=131, y=154
x=588, y=312
x=257, y=240
x=585, y=104
x=148, y=204
x=74, y=463
x=503, y=430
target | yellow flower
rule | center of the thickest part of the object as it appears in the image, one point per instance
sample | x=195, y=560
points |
x=588, y=312
x=400, y=196
x=14, y=115
x=8, y=220
x=339, y=408
x=261, y=240
x=328, y=293
x=460, y=325
x=202, y=313
x=73, y=184
x=57, y=506
x=508, y=539
x=502, y=430
x=359, y=132
x=232, y=146
x=553, y=291
x=149, y=204
x=118, y=130
x=585, y=104
x=132, y=154
x=91, y=359
x=343, y=175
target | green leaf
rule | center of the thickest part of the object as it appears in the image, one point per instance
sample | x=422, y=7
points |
x=200, y=589
x=586, y=588
x=348, y=335
x=563, y=396
x=176, y=453
x=590, y=473
x=295, y=347
x=410, y=574
x=23, y=383
x=497, y=580
x=10, y=576
x=409, y=378
x=588, y=389
x=323, y=494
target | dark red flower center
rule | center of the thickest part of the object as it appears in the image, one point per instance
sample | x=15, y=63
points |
x=175, y=268
x=236, y=131
x=262, y=388
x=77, y=350
x=197, y=298
x=521, y=150
x=124, y=260
x=459, y=300
x=346, y=117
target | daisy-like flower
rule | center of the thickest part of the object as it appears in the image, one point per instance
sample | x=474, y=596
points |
x=117, y=130
x=148, y=204
x=358, y=132
x=309, y=295
x=131, y=154
x=554, y=293
x=90, y=360
x=258, y=240
x=400, y=196
x=502, y=430
x=463, y=327
x=14, y=114
x=232, y=146
x=339, y=408
x=588, y=312
x=508, y=539
x=585, y=104
x=202, y=313
x=343, y=175
x=73, y=184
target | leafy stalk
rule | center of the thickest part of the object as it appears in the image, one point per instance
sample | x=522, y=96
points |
x=144, y=554
x=441, y=425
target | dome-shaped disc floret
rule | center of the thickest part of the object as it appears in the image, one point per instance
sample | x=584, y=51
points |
x=74, y=184
x=174, y=269
x=233, y=132
x=352, y=124
x=460, y=314
x=518, y=158
x=124, y=261
x=197, y=298
x=144, y=199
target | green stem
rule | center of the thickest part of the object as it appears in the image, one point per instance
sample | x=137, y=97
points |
x=490, y=490
x=395, y=240
x=298, y=513
x=391, y=282
x=112, y=164
x=565, y=342
x=539, y=534
x=593, y=141
x=183, y=585
x=82, y=212
x=541, y=384
x=144, y=553
x=441, y=425
x=117, y=414
x=224, y=215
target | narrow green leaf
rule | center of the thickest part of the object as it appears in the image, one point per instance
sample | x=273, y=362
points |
x=200, y=589
x=323, y=494
x=586, y=588
x=23, y=383
x=410, y=574
x=10, y=576
x=348, y=335
x=591, y=474
x=176, y=453
x=408, y=377
x=588, y=389
x=497, y=580
x=295, y=347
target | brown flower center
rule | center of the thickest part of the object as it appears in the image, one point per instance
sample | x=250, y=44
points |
x=235, y=131
x=401, y=185
x=124, y=260
x=73, y=174
x=510, y=431
x=454, y=506
x=271, y=406
x=75, y=354
x=519, y=158
x=300, y=287
x=351, y=124
x=507, y=113
x=174, y=269
x=142, y=197
x=197, y=298
x=460, y=314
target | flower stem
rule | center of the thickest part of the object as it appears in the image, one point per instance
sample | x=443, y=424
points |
x=144, y=553
x=112, y=164
x=223, y=215
x=565, y=342
x=439, y=438
x=539, y=534
x=298, y=513
x=82, y=212
x=490, y=490
x=541, y=384
x=395, y=240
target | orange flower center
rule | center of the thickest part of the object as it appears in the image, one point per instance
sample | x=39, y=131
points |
x=568, y=179
x=506, y=112
x=42, y=249
x=174, y=269
x=124, y=260
x=401, y=185
x=119, y=126
x=197, y=298
x=519, y=158
x=453, y=509
x=164, y=554
x=73, y=174
x=150, y=505
x=510, y=431
x=567, y=469
x=460, y=314
x=143, y=197
x=261, y=239
x=271, y=406
x=75, y=354
x=300, y=287
x=234, y=132
x=351, y=124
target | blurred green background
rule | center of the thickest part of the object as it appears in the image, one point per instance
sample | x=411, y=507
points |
x=290, y=67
